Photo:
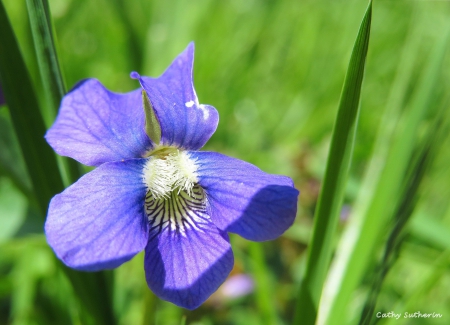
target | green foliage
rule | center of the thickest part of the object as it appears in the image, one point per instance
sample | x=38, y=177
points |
x=26, y=118
x=330, y=199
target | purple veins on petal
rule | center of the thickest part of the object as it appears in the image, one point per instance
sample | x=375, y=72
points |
x=185, y=123
x=95, y=125
x=245, y=200
x=99, y=222
x=187, y=258
x=150, y=191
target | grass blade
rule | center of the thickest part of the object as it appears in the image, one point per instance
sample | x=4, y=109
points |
x=27, y=120
x=51, y=76
x=330, y=199
x=362, y=235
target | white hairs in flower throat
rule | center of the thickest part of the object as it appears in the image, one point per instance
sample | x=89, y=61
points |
x=168, y=171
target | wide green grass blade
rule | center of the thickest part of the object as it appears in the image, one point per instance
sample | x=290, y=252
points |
x=50, y=72
x=92, y=288
x=370, y=218
x=338, y=164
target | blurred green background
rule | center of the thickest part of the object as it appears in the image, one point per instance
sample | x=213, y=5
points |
x=274, y=70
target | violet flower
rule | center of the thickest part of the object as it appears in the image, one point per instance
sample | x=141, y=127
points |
x=153, y=190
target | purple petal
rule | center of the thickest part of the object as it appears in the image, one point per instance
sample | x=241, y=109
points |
x=186, y=261
x=95, y=125
x=184, y=122
x=245, y=200
x=99, y=222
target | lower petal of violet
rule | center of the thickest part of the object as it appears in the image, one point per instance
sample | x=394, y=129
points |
x=187, y=258
x=99, y=222
x=245, y=200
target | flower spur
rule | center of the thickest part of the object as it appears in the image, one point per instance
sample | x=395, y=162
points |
x=152, y=189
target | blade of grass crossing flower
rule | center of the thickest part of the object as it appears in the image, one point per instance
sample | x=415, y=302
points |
x=27, y=120
x=91, y=288
x=330, y=199
x=362, y=235
x=51, y=76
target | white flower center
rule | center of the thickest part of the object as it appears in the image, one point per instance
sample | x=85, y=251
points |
x=169, y=170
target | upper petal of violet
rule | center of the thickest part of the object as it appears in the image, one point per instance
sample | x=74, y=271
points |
x=184, y=122
x=99, y=222
x=243, y=199
x=95, y=125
